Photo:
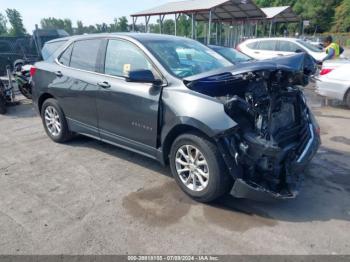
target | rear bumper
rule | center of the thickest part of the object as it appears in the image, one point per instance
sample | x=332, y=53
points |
x=243, y=189
x=331, y=88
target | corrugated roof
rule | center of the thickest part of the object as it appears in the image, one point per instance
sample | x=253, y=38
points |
x=281, y=14
x=222, y=9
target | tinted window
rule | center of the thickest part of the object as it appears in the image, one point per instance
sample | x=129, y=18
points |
x=85, y=54
x=122, y=57
x=285, y=46
x=65, y=57
x=50, y=48
x=268, y=45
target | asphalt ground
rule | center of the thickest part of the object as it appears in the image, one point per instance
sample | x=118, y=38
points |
x=87, y=197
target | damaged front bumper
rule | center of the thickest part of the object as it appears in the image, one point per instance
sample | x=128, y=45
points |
x=248, y=189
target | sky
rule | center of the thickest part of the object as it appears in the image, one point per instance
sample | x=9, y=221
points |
x=88, y=11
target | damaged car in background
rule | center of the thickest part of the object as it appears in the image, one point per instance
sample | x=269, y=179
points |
x=244, y=129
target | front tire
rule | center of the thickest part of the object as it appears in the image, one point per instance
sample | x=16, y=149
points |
x=198, y=168
x=55, y=122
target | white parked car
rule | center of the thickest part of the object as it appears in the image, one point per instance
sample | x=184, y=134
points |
x=266, y=48
x=334, y=80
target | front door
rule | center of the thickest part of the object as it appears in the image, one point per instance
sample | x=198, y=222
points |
x=127, y=112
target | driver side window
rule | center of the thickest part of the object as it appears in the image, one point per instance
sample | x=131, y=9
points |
x=123, y=57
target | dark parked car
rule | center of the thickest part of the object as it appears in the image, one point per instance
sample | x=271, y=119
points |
x=222, y=128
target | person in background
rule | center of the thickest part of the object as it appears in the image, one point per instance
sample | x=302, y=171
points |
x=333, y=50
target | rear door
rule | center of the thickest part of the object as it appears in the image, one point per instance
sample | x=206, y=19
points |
x=128, y=112
x=75, y=85
x=265, y=49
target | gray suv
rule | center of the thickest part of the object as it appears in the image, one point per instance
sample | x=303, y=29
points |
x=243, y=129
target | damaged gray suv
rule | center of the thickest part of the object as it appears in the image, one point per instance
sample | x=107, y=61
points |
x=243, y=129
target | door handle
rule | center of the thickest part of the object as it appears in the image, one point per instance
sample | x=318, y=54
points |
x=280, y=54
x=104, y=85
x=58, y=74
x=256, y=52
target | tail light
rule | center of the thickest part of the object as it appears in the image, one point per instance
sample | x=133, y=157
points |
x=32, y=71
x=326, y=71
x=239, y=48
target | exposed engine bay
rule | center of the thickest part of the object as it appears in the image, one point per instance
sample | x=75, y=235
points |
x=267, y=149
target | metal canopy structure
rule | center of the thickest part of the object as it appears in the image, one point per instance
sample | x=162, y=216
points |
x=281, y=14
x=213, y=11
x=222, y=10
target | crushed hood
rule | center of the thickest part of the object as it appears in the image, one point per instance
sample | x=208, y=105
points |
x=301, y=64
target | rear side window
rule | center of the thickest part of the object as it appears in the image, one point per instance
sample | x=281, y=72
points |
x=253, y=45
x=50, y=48
x=65, y=57
x=268, y=45
x=285, y=46
x=84, y=55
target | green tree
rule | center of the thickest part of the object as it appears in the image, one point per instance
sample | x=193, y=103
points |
x=54, y=23
x=67, y=26
x=16, y=22
x=184, y=26
x=3, y=27
x=342, y=23
x=123, y=25
x=80, y=28
x=114, y=27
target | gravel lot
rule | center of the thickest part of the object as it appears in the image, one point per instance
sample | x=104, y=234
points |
x=88, y=197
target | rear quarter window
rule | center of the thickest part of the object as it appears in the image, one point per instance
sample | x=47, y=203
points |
x=50, y=48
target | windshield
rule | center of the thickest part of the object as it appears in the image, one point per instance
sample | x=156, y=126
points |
x=231, y=54
x=309, y=46
x=183, y=57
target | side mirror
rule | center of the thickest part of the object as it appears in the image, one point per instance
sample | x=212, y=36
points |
x=142, y=76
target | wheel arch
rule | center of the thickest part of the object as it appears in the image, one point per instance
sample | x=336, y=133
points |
x=43, y=97
x=174, y=133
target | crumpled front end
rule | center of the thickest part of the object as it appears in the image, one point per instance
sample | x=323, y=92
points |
x=276, y=136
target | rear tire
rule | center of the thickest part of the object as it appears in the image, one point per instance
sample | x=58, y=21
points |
x=2, y=99
x=347, y=98
x=2, y=104
x=198, y=168
x=55, y=122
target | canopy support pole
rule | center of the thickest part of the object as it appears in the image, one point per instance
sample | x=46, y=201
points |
x=192, y=30
x=134, y=20
x=176, y=18
x=209, y=27
x=270, y=32
x=161, y=19
x=147, y=18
